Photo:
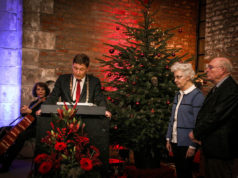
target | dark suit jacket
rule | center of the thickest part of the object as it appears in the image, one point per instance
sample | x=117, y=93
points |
x=63, y=89
x=217, y=122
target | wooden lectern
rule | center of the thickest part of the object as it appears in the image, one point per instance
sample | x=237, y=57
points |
x=97, y=128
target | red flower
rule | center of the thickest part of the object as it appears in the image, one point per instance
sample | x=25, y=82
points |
x=39, y=158
x=65, y=105
x=59, y=146
x=74, y=127
x=85, y=140
x=96, y=152
x=45, y=167
x=52, y=125
x=86, y=164
x=60, y=112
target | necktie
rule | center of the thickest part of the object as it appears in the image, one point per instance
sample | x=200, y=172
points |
x=78, y=91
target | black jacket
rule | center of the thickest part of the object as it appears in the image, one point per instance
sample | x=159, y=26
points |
x=217, y=122
x=63, y=89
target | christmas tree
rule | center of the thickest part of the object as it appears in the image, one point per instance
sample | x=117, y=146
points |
x=143, y=88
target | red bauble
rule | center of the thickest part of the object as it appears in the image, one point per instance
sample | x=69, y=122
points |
x=152, y=111
x=137, y=103
x=133, y=83
x=117, y=28
x=146, y=1
x=103, y=88
x=173, y=54
x=180, y=30
x=166, y=67
x=111, y=51
x=109, y=98
x=141, y=65
x=158, y=54
x=115, y=127
x=168, y=102
x=142, y=54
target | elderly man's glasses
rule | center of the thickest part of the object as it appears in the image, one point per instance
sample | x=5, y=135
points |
x=210, y=67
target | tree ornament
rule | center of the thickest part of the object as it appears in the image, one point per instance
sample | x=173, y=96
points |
x=137, y=103
x=168, y=102
x=109, y=98
x=154, y=81
x=109, y=74
x=152, y=110
x=115, y=127
x=146, y=1
x=180, y=30
x=141, y=65
x=142, y=54
x=134, y=83
x=158, y=54
x=166, y=67
x=111, y=51
x=173, y=54
x=102, y=88
x=117, y=28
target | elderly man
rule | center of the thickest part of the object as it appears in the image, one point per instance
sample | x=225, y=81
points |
x=217, y=123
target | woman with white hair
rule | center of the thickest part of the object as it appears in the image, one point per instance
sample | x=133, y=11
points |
x=186, y=105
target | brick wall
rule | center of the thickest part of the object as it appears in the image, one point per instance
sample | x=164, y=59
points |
x=56, y=30
x=222, y=31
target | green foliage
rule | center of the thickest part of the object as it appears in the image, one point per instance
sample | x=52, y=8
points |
x=144, y=88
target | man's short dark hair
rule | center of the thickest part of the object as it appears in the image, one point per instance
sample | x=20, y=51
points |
x=42, y=85
x=81, y=59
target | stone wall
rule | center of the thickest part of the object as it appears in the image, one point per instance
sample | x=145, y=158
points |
x=56, y=30
x=10, y=59
x=34, y=41
x=222, y=31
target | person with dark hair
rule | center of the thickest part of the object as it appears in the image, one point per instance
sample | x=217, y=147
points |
x=79, y=86
x=41, y=91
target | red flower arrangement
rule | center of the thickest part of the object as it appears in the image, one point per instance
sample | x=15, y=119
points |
x=68, y=151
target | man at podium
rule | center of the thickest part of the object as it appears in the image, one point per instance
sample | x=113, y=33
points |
x=82, y=88
x=78, y=86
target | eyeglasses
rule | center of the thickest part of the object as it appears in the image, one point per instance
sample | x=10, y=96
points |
x=178, y=77
x=210, y=67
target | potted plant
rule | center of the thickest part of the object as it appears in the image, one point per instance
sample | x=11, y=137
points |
x=67, y=151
